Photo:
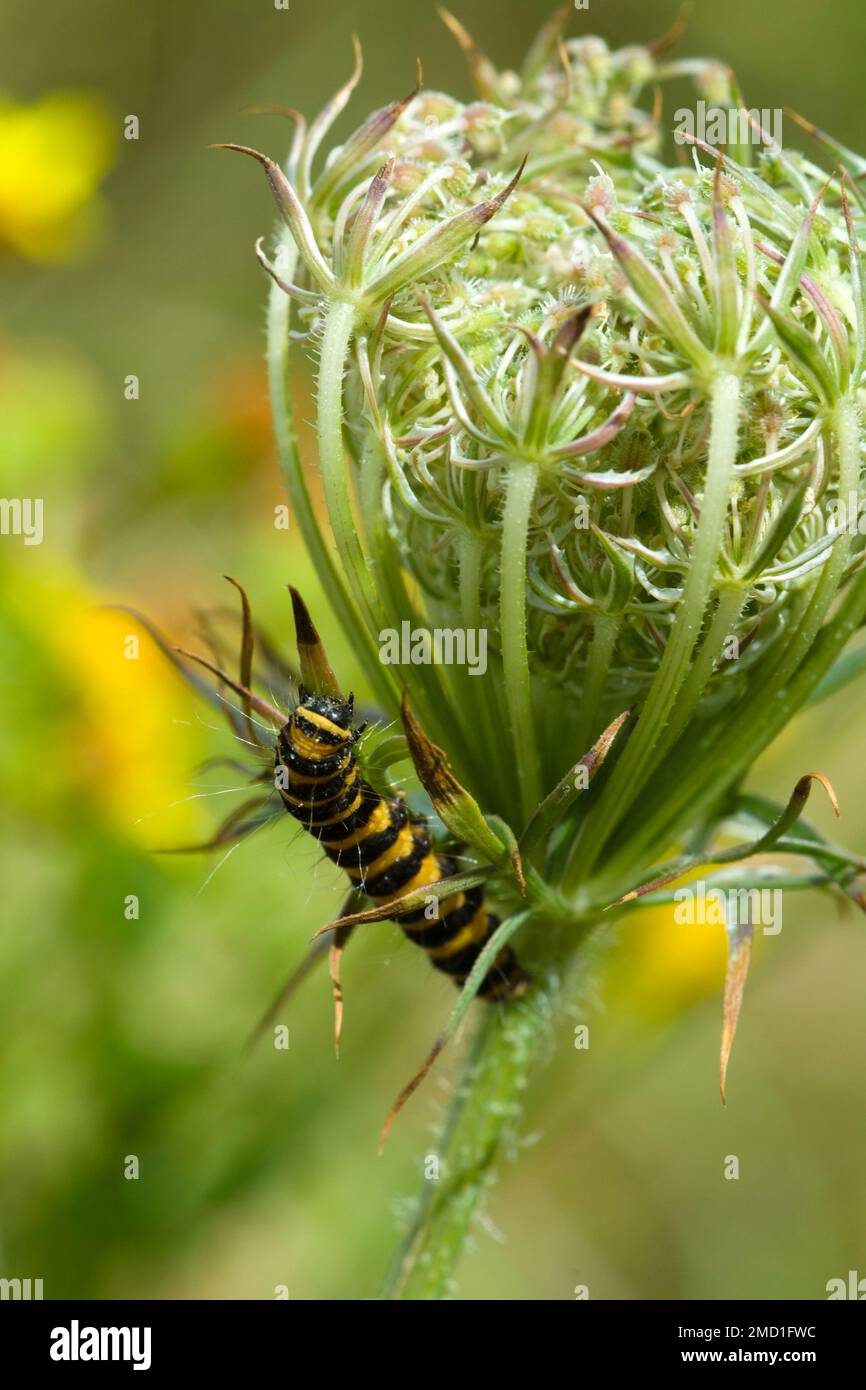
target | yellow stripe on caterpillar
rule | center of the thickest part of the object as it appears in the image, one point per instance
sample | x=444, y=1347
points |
x=446, y=907
x=428, y=871
x=473, y=932
x=343, y=815
x=401, y=848
x=379, y=821
x=304, y=804
x=322, y=721
x=311, y=778
x=314, y=749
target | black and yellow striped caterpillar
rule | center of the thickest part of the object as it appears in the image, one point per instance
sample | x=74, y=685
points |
x=385, y=850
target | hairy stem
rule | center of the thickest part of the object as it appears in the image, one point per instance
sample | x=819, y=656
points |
x=845, y=428
x=337, y=335
x=635, y=766
x=724, y=621
x=605, y=634
x=487, y=1102
x=279, y=311
x=522, y=479
x=696, y=783
x=702, y=772
x=481, y=695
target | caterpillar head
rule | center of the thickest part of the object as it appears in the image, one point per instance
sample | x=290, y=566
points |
x=340, y=712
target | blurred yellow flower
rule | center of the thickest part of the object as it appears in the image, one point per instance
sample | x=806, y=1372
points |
x=132, y=754
x=663, y=966
x=54, y=153
x=118, y=720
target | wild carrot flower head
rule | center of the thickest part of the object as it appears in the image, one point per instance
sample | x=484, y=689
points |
x=601, y=409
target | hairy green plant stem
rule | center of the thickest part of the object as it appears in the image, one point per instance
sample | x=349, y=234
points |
x=699, y=777
x=590, y=718
x=336, y=337
x=844, y=425
x=279, y=317
x=727, y=612
x=478, y=703
x=522, y=481
x=636, y=764
x=487, y=1102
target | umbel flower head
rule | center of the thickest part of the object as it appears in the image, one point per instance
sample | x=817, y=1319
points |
x=604, y=411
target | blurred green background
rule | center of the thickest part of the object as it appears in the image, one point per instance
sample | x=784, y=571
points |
x=124, y=1037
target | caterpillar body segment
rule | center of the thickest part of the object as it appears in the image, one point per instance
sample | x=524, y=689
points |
x=385, y=850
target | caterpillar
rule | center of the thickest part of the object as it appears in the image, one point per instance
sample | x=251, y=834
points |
x=385, y=850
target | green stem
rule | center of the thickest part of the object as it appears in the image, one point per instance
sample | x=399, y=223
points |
x=718, y=760
x=486, y=1104
x=488, y=1100
x=591, y=713
x=724, y=620
x=470, y=580
x=484, y=694
x=635, y=765
x=427, y=685
x=279, y=312
x=696, y=784
x=522, y=479
x=337, y=335
x=845, y=426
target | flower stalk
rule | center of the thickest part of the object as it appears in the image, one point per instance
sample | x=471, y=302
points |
x=486, y=1108
x=520, y=491
x=636, y=766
